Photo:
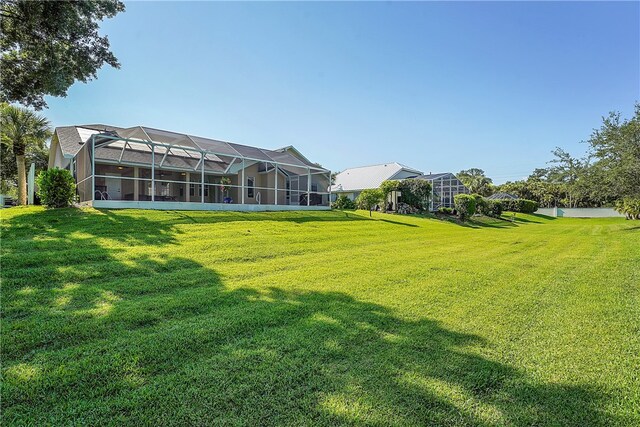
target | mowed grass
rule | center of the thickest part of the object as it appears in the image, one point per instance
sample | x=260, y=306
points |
x=317, y=318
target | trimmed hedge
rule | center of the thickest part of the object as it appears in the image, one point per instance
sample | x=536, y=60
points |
x=494, y=208
x=445, y=210
x=519, y=205
x=465, y=205
x=488, y=207
x=56, y=188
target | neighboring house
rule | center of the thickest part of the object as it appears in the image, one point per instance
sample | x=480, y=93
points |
x=444, y=186
x=350, y=182
x=502, y=196
x=156, y=169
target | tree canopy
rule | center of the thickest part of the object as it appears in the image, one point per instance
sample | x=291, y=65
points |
x=476, y=181
x=608, y=172
x=48, y=45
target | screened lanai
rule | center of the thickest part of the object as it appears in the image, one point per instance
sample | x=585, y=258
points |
x=151, y=168
x=444, y=186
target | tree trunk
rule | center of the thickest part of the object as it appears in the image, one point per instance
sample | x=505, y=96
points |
x=22, y=181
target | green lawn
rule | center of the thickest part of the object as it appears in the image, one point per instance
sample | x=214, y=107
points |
x=325, y=318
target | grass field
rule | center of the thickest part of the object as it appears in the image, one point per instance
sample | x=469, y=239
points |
x=317, y=318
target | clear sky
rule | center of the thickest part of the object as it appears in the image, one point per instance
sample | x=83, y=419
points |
x=437, y=86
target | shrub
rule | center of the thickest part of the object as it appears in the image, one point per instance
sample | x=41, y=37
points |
x=629, y=206
x=465, y=205
x=494, y=208
x=343, y=202
x=519, y=205
x=445, y=210
x=482, y=204
x=368, y=199
x=415, y=193
x=56, y=188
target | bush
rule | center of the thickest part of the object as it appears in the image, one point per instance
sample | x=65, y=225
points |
x=494, y=208
x=629, y=206
x=488, y=207
x=445, y=211
x=343, y=202
x=482, y=204
x=56, y=188
x=519, y=205
x=465, y=205
x=415, y=193
x=368, y=199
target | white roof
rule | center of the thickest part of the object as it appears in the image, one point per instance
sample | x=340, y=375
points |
x=364, y=177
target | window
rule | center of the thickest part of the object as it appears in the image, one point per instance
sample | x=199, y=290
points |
x=314, y=187
x=250, y=185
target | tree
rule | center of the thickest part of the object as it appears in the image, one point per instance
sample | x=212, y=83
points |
x=569, y=172
x=9, y=170
x=368, y=199
x=615, y=148
x=415, y=193
x=22, y=129
x=47, y=45
x=476, y=181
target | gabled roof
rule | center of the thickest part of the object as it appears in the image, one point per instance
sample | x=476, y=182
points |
x=433, y=176
x=501, y=196
x=364, y=177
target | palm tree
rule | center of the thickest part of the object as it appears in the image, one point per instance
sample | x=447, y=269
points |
x=20, y=130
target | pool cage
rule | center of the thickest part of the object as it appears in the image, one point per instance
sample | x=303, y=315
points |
x=150, y=168
x=444, y=187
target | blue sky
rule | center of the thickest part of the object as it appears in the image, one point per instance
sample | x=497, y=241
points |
x=437, y=86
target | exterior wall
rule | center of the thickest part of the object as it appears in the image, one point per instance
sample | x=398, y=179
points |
x=579, y=212
x=252, y=171
x=352, y=195
x=268, y=180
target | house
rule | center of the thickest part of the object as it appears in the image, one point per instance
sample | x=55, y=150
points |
x=444, y=186
x=143, y=167
x=350, y=182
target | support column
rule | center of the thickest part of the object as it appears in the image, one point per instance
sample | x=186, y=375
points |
x=308, y=186
x=202, y=178
x=187, y=195
x=153, y=173
x=136, y=183
x=330, y=192
x=93, y=168
x=275, y=170
x=243, y=183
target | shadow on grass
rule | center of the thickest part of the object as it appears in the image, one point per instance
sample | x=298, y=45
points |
x=541, y=216
x=90, y=335
x=474, y=222
x=212, y=217
x=390, y=221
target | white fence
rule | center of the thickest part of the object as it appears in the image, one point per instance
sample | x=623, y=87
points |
x=579, y=212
